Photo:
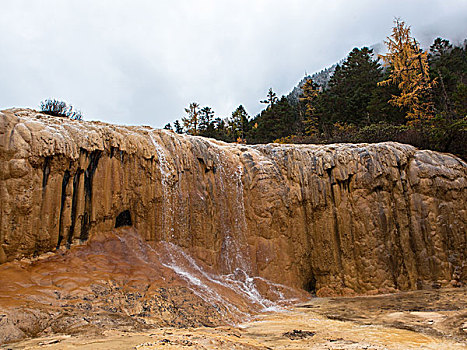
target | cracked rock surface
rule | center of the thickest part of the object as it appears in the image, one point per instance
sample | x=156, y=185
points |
x=338, y=219
x=126, y=228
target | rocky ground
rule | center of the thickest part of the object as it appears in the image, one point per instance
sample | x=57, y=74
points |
x=440, y=313
x=434, y=319
x=117, y=281
x=119, y=292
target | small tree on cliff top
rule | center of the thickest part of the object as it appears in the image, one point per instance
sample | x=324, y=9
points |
x=191, y=121
x=409, y=70
x=59, y=109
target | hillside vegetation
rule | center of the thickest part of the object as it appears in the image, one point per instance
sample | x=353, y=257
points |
x=408, y=95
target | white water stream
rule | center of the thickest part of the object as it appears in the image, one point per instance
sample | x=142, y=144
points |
x=234, y=257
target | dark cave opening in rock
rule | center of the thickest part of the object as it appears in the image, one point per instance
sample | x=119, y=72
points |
x=310, y=286
x=123, y=219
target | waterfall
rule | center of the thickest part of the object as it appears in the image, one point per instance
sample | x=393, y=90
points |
x=168, y=179
x=234, y=257
x=234, y=252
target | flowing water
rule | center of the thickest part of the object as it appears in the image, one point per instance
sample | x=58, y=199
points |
x=234, y=260
x=168, y=180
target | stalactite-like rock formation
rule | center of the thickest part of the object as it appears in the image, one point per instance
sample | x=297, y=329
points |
x=338, y=219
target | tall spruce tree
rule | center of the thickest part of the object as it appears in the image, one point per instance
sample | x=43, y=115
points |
x=271, y=98
x=273, y=123
x=448, y=65
x=206, y=114
x=206, y=124
x=240, y=123
x=350, y=90
x=379, y=110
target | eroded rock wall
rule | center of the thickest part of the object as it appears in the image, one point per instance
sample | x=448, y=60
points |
x=338, y=219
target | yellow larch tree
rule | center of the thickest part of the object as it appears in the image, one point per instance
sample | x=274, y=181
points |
x=310, y=94
x=409, y=70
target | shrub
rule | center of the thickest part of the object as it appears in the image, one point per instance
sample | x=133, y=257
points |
x=448, y=135
x=379, y=132
x=60, y=109
x=441, y=134
x=342, y=132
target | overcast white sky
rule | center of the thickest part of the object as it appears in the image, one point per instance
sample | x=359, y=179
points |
x=142, y=62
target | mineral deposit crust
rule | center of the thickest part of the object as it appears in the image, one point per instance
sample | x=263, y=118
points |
x=337, y=219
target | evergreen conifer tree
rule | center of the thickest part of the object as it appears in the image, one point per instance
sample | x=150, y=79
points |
x=350, y=90
x=240, y=123
x=191, y=122
x=178, y=128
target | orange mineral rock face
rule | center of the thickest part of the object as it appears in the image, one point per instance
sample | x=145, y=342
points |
x=337, y=219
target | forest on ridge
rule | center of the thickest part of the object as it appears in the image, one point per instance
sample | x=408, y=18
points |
x=407, y=95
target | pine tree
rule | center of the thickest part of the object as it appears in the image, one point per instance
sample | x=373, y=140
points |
x=380, y=110
x=349, y=93
x=206, y=114
x=178, y=127
x=221, y=131
x=273, y=123
x=448, y=65
x=191, y=122
x=460, y=100
x=240, y=123
x=271, y=98
x=309, y=98
x=409, y=70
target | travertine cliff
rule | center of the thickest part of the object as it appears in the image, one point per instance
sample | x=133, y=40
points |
x=337, y=219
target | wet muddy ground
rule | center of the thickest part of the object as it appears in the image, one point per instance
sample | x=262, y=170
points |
x=435, y=319
x=441, y=313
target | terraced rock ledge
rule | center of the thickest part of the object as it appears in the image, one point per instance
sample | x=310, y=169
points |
x=126, y=227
